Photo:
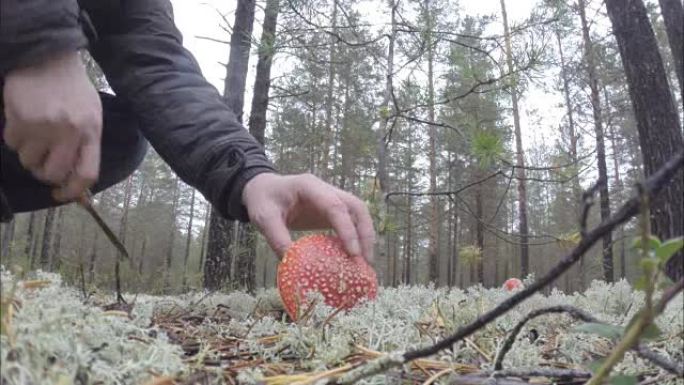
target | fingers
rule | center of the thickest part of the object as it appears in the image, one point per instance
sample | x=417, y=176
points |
x=364, y=224
x=84, y=174
x=327, y=201
x=275, y=231
x=32, y=155
x=59, y=163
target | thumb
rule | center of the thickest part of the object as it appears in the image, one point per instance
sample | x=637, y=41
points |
x=276, y=233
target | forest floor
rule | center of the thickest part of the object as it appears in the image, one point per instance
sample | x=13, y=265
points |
x=53, y=334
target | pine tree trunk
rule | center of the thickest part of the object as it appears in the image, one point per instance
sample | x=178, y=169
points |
x=46, y=246
x=56, y=257
x=573, y=137
x=218, y=258
x=382, y=181
x=29, y=238
x=221, y=230
x=172, y=235
x=7, y=239
x=205, y=236
x=673, y=15
x=520, y=154
x=657, y=121
x=188, y=239
x=433, y=243
x=479, y=213
x=608, y=274
x=329, y=100
x=262, y=83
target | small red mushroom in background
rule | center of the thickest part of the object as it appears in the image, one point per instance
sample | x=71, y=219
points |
x=320, y=263
x=513, y=284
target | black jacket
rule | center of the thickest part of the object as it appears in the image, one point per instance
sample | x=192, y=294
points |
x=140, y=51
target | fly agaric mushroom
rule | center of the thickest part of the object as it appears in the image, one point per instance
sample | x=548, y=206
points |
x=513, y=284
x=320, y=263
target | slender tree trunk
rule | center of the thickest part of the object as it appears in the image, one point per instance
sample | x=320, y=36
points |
x=573, y=138
x=142, y=255
x=450, y=226
x=7, y=239
x=433, y=243
x=520, y=154
x=618, y=184
x=47, y=240
x=479, y=212
x=656, y=114
x=93, y=258
x=673, y=15
x=220, y=235
x=455, y=245
x=188, y=239
x=217, y=261
x=382, y=178
x=205, y=235
x=172, y=234
x=56, y=257
x=600, y=142
x=29, y=238
x=262, y=83
x=329, y=100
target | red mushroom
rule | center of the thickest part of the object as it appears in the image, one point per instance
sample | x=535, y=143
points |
x=513, y=284
x=320, y=263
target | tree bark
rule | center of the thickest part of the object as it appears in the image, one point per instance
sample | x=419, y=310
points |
x=47, y=240
x=657, y=121
x=262, y=83
x=220, y=235
x=30, y=233
x=172, y=235
x=673, y=15
x=573, y=138
x=433, y=243
x=218, y=258
x=479, y=212
x=7, y=239
x=188, y=240
x=590, y=59
x=381, y=186
x=329, y=100
x=56, y=257
x=520, y=154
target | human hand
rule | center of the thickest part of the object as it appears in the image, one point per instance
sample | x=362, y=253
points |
x=303, y=202
x=54, y=123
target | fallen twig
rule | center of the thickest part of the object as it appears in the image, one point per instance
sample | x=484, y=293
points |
x=579, y=314
x=652, y=186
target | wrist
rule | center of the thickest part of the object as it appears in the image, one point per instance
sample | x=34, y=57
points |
x=256, y=183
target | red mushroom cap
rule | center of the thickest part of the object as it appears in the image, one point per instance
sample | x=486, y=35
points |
x=513, y=284
x=320, y=263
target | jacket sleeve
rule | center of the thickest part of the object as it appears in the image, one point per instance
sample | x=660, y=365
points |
x=32, y=30
x=181, y=114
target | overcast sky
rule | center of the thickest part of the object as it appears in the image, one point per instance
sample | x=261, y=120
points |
x=201, y=18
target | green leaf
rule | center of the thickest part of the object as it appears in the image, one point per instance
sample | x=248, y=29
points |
x=607, y=331
x=669, y=248
x=648, y=265
x=653, y=242
x=623, y=379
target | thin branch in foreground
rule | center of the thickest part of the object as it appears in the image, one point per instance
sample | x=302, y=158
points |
x=579, y=314
x=510, y=340
x=652, y=186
